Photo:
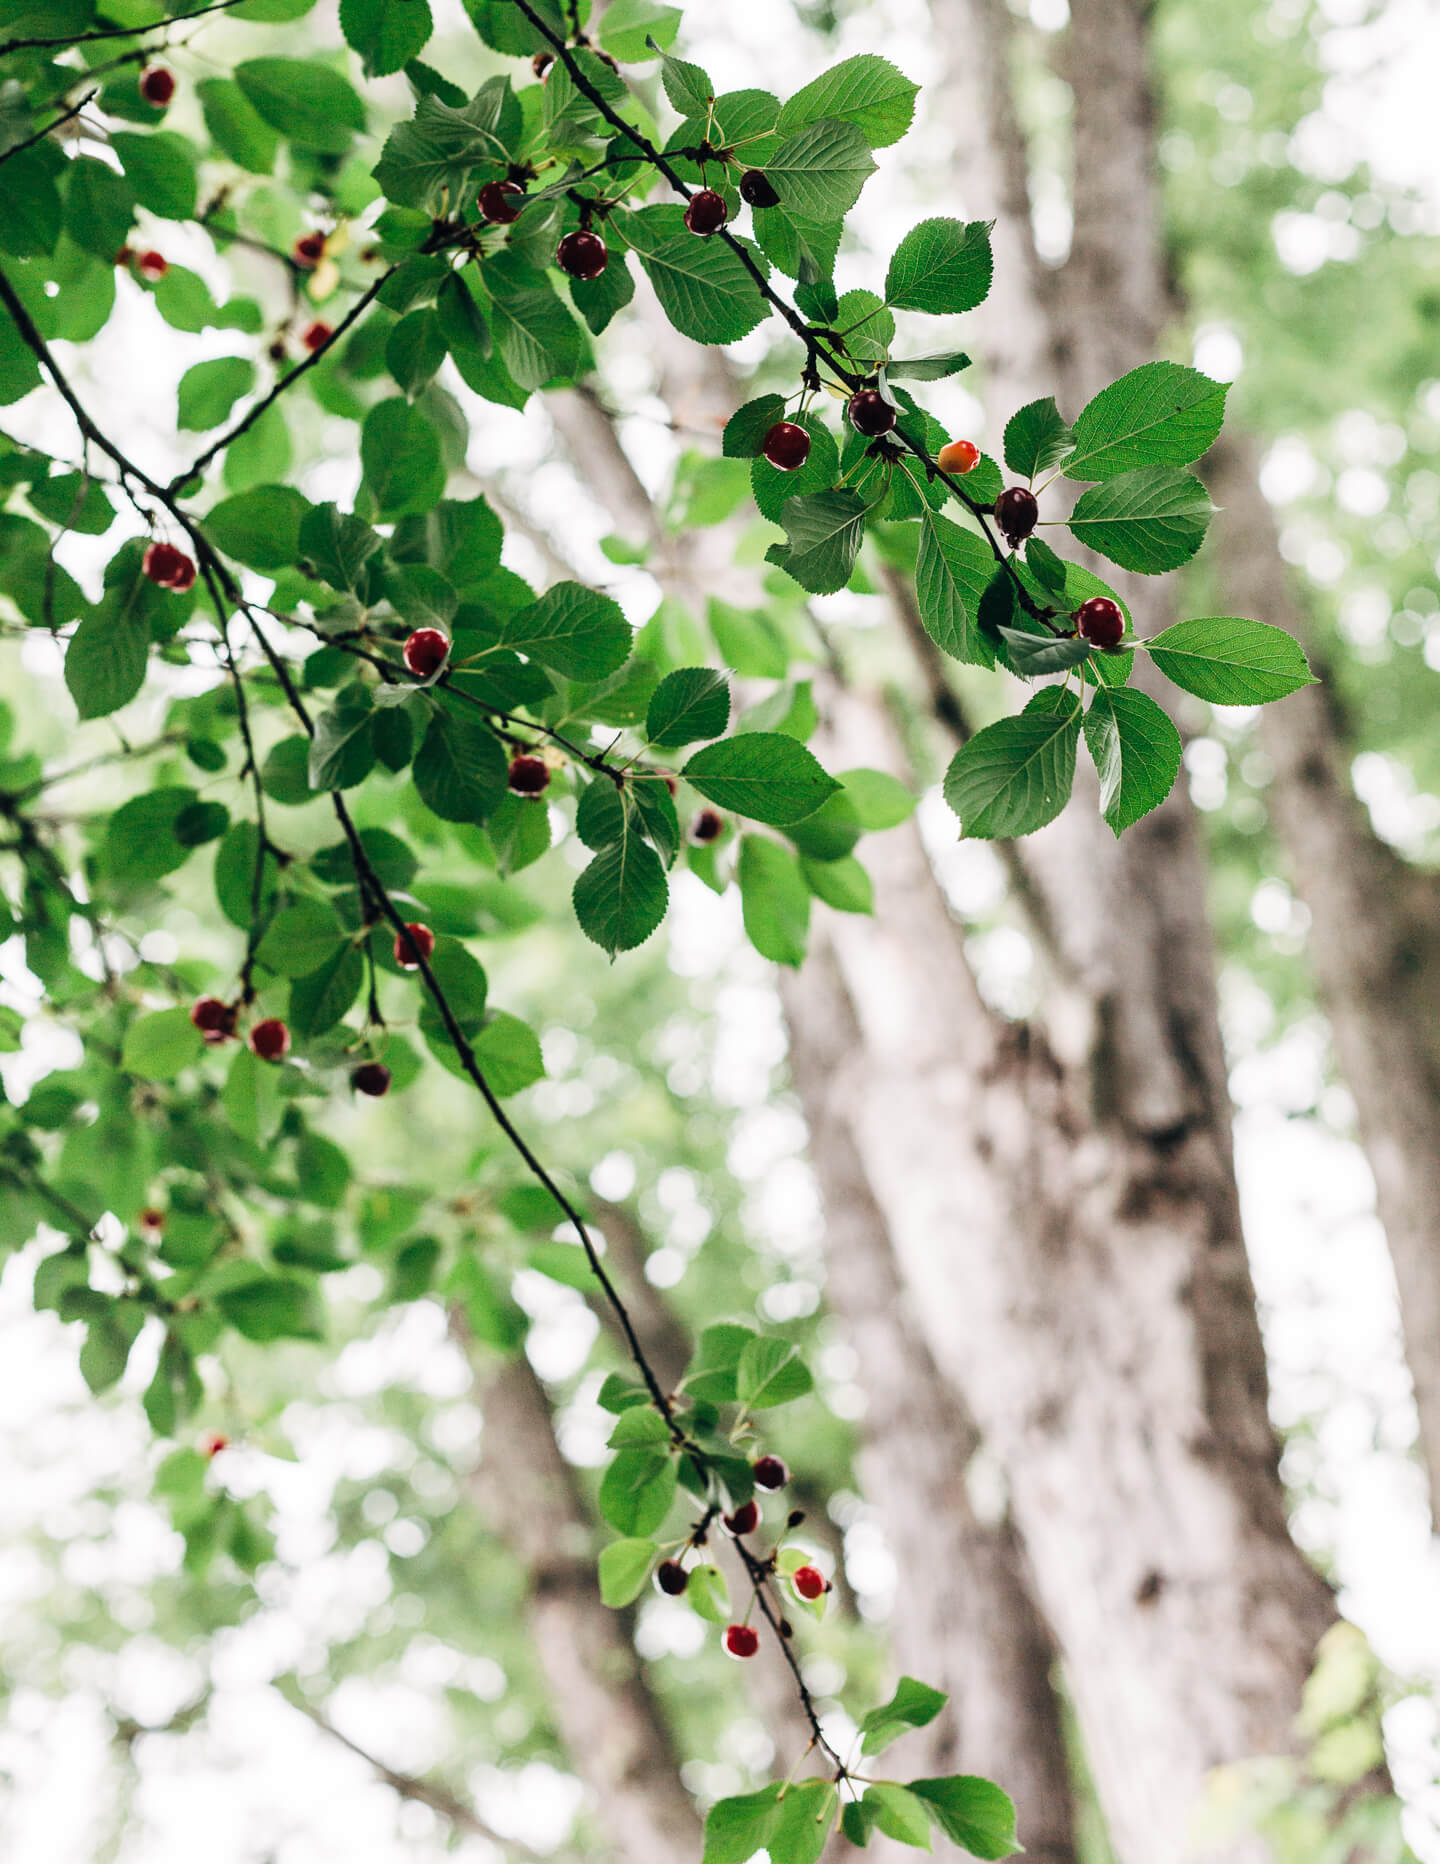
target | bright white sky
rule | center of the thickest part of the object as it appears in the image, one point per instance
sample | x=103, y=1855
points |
x=262, y=1783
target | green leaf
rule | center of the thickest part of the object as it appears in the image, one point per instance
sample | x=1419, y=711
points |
x=898, y=1813
x=159, y=1045
x=735, y=1829
x=825, y=530
x=140, y=843
x=30, y=211
x=235, y=863
x=747, y=427
x=688, y=87
x=1231, y=661
x=703, y=286
x=867, y=91
x=831, y=833
x=539, y=341
x=1032, y=653
x=386, y=35
x=624, y=1568
x=161, y=168
x=770, y=1372
x=636, y=1491
x=99, y=207
x=236, y=126
x=627, y=26
x=209, y=390
x=260, y=527
x=952, y=572
x=1149, y=520
x=1136, y=750
x=621, y=897
x=689, y=704
x=927, y=368
x=708, y=1595
x=460, y=770
x=415, y=349
x=774, y=899
x=400, y=452
x=508, y=1052
x=572, y=629
x=272, y=1307
x=971, y=1812
x=441, y=144
x=843, y=885
x=1161, y=414
x=342, y=752
x=337, y=545
x=299, y=939
x=763, y=775
x=881, y=801
x=639, y=1426
x=320, y=998
x=106, y=661
x=818, y=171
x=1036, y=438
x=306, y=101
x=807, y=1812
x=1015, y=776
x=941, y=266
x=914, y=1705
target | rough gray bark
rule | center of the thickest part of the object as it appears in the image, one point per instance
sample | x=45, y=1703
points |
x=1374, y=936
x=608, y=1720
x=965, y=1621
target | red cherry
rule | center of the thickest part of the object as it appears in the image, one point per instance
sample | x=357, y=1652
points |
x=215, y=1020
x=708, y=826
x=270, y=1040
x=501, y=201
x=755, y=189
x=213, y=1444
x=426, y=651
x=770, y=1472
x=308, y=250
x=152, y=1219
x=528, y=775
x=372, y=1078
x=315, y=336
x=1016, y=512
x=960, y=456
x=809, y=1582
x=582, y=254
x=169, y=567
x=745, y=1519
x=157, y=85
x=786, y=446
x=871, y=413
x=741, y=1640
x=671, y=1577
x=706, y=212
x=1101, y=621
x=152, y=265
x=414, y=943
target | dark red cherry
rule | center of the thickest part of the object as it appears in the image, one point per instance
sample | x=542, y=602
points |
x=786, y=446
x=426, y=651
x=152, y=266
x=741, y=1641
x=169, y=567
x=215, y=1020
x=708, y=826
x=528, y=775
x=671, y=1577
x=745, y=1519
x=706, y=212
x=755, y=189
x=582, y=254
x=1016, y=512
x=501, y=201
x=157, y=85
x=871, y=414
x=308, y=250
x=315, y=336
x=270, y=1040
x=1101, y=621
x=414, y=943
x=372, y=1078
x=770, y=1472
x=213, y=1443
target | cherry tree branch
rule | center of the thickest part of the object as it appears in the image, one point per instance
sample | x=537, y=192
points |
x=114, y=32
x=19, y=148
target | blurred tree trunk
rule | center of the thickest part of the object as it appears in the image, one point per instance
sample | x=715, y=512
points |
x=611, y=1725
x=964, y=1619
x=1374, y=935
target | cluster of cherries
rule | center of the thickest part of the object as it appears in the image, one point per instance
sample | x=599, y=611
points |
x=672, y=1577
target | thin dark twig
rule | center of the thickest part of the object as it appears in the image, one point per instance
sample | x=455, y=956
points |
x=19, y=148
x=114, y=32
